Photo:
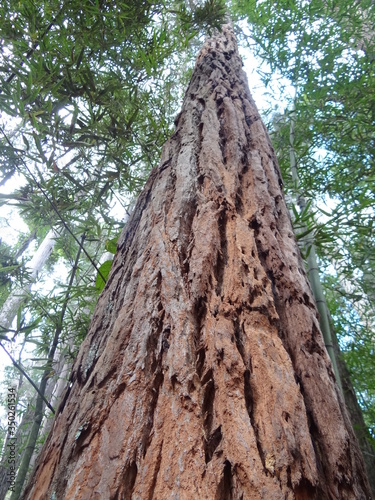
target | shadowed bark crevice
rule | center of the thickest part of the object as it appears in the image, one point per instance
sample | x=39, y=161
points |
x=199, y=315
x=152, y=357
x=65, y=396
x=155, y=472
x=238, y=201
x=222, y=254
x=200, y=360
x=150, y=415
x=211, y=442
x=84, y=434
x=312, y=345
x=222, y=132
x=249, y=400
x=186, y=237
x=225, y=487
x=108, y=376
x=119, y=390
x=239, y=337
x=208, y=405
x=319, y=453
x=306, y=491
x=128, y=480
x=207, y=377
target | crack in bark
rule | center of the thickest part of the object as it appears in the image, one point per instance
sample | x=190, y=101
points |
x=200, y=360
x=222, y=253
x=64, y=397
x=211, y=443
x=305, y=490
x=249, y=401
x=186, y=237
x=208, y=404
x=129, y=477
x=222, y=133
x=238, y=334
x=149, y=417
x=199, y=316
x=112, y=372
x=225, y=487
x=238, y=200
x=156, y=471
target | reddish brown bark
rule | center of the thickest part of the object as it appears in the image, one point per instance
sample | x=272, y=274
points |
x=204, y=374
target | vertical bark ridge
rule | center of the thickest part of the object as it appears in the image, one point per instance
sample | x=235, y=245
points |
x=204, y=374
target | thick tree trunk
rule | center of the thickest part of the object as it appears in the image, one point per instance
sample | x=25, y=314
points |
x=204, y=374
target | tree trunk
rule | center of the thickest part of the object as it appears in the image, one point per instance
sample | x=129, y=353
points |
x=326, y=326
x=356, y=416
x=10, y=307
x=54, y=390
x=204, y=373
x=21, y=437
x=40, y=399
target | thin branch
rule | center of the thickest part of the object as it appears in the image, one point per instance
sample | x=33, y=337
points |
x=74, y=270
x=19, y=367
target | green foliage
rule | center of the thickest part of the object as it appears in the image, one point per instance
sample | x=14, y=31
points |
x=104, y=273
x=356, y=337
x=205, y=17
x=111, y=245
x=10, y=268
x=8, y=264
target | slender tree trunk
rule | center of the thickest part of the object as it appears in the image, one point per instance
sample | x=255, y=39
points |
x=54, y=389
x=21, y=437
x=330, y=339
x=39, y=405
x=204, y=373
x=10, y=307
x=311, y=260
x=356, y=416
x=62, y=372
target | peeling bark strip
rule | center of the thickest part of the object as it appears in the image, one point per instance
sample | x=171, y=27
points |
x=204, y=374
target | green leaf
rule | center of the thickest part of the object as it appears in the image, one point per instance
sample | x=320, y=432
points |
x=111, y=245
x=39, y=147
x=26, y=142
x=104, y=273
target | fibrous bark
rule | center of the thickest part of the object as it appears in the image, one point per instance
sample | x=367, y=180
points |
x=204, y=373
